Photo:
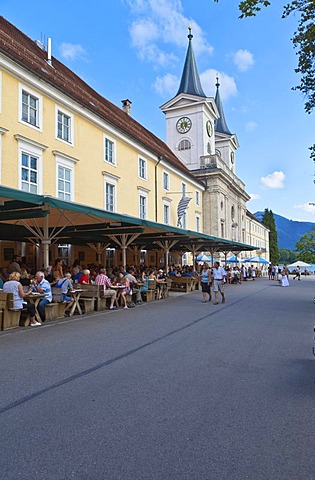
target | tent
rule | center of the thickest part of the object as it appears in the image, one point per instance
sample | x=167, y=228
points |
x=203, y=258
x=234, y=259
x=257, y=260
x=299, y=264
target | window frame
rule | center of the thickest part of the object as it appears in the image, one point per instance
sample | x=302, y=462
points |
x=184, y=144
x=65, y=113
x=112, y=162
x=143, y=194
x=113, y=182
x=67, y=162
x=39, y=108
x=164, y=176
x=31, y=148
x=166, y=205
x=142, y=168
x=198, y=223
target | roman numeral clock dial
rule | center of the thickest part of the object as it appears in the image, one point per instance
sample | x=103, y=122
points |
x=183, y=125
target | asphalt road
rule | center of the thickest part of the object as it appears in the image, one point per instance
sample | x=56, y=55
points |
x=174, y=389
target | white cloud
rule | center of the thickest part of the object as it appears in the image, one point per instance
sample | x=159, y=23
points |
x=166, y=85
x=72, y=51
x=273, y=180
x=306, y=207
x=162, y=22
x=254, y=196
x=227, y=84
x=243, y=60
x=251, y=126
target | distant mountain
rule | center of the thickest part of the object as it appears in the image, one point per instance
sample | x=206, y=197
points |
x=289, y=231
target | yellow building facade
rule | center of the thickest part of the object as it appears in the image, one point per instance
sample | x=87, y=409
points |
x=258, y=236
x=60, y=138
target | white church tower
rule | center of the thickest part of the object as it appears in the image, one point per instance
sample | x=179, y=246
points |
x=197, y=132
x=190, y=116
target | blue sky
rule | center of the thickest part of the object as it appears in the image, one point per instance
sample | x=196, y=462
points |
x=135, y=49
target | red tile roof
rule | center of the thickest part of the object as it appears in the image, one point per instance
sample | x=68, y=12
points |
x=16, y=45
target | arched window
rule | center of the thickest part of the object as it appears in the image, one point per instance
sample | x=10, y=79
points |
x=209, y=148
x=184, y=145
x=232, y=213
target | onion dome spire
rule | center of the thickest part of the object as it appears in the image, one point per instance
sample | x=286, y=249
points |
x=220, y=124
x=190, y=81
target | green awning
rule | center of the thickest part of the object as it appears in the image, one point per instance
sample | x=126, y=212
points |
x=79, y=224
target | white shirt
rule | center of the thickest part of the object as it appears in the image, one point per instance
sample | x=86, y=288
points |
x=219, y=273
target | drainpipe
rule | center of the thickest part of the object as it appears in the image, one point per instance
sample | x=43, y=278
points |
x=155, y=185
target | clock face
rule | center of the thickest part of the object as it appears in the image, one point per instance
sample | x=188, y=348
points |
x=183, y=125
x=209, y=128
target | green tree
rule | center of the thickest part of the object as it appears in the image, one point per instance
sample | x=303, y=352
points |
x=306, y=247
x=269, y=221
x=303, y=41
x=287, y=256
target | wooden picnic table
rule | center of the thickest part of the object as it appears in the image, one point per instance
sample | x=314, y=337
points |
x=75, y=294
x=35, y=298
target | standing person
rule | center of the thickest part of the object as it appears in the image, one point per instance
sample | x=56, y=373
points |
x=41, y=285
x=253, y=272
x=15, y=265
x=206, y=278
x=14, y=286
x=285, y=276
x=219, y=275
x=57, y=269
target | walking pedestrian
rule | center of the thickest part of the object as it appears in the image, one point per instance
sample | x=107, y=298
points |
x=206, y=279
x=219, y=275
x=297, y=274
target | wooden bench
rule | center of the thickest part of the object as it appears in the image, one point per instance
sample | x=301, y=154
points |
x=151, y=292
x=92, y=297
x=10, y=316
x=184, y=284
x=57, y=299
x=52, y=311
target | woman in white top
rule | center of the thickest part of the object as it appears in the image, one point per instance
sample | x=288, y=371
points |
x=14, y=286
x=284, y=277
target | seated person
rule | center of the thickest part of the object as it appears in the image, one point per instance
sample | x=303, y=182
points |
x=160, y=283
x=66, y=284
x=85, y=277
x=123, y=280
x=14, y=286
x=76, y=273
x=144, y=288
x=41, y=285
x=109, y=292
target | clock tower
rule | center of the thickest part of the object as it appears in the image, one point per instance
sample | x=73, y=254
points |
x=190, y=116
x=197, y=133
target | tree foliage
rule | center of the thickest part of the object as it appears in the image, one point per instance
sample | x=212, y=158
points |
x=287, y=256
x=306, y=247
x=269, y=221
x=303, y=41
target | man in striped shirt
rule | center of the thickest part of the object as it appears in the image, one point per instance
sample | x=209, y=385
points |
x=102, y=279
